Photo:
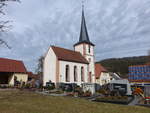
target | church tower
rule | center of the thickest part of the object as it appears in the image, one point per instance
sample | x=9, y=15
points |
x=86, y=48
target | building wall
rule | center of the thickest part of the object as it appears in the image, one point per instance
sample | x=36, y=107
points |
x=84, y=50
x=62, y=72
x=79, y=48
x=104, y=78
x=49, y=71
x=139, y=73
x=91, y=50
x=20, y=77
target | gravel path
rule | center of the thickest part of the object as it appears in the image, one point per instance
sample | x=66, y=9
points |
x=135, y=101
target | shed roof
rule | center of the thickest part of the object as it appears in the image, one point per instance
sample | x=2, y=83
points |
x=32, y=75
x=9, y=65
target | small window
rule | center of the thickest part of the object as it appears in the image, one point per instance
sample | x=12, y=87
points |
x=89, y=48
x=89, y=59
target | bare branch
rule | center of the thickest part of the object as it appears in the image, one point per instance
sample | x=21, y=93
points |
x=4, y=24
x=39, y=69
x=1, y=8
x=5, y=43
x=148, y=52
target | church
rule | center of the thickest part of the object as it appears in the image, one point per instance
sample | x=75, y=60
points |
x=62, y=65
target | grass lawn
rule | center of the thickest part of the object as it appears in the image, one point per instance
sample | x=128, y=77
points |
x=27, y=102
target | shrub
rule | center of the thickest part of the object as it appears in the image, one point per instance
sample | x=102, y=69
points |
x=87, y=93
x=79, y=90
x=3, y=86
x=27, y=86
x=102, y=91
x=49, y=86
x=113, y=98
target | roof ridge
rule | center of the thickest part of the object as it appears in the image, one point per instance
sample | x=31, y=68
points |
x=11, y=59
x=66, y=49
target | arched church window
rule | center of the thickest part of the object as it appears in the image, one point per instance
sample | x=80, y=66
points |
x=90, y=77
x=82, y=74
x=67, y=73
x=75, y=73
x=89, y=48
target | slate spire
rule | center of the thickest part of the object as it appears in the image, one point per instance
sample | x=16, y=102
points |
x=84, y=37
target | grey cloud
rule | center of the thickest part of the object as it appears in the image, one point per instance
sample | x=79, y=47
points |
x=119, y=28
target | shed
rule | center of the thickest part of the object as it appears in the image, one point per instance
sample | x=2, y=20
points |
x=12, y=71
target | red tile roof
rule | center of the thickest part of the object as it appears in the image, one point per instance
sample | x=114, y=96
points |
x=9, y=65
x=33, y=76
x=98, y=69
x=69, y=55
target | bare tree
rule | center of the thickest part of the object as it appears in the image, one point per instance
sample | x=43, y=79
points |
x=149, y=56
x=4, y=26
x=149, y=52
x=39, y=69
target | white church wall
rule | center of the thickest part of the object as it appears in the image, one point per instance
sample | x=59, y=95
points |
x=91, y=49
x=91, y=67
x=90, y=57
x=79, y=48
x=49, y=67
x=62, y=72
x=91, y=64
x=84, y=50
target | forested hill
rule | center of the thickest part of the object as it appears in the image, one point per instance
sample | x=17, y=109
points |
x=120, y=65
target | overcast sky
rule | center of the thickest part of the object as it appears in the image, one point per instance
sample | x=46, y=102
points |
x=118, y=28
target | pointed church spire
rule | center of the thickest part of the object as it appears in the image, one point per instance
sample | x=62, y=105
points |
x=84, y=37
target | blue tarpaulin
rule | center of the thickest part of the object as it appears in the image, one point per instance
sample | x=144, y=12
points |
x=139, y=72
